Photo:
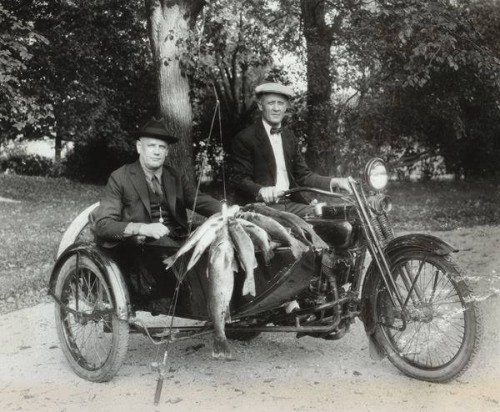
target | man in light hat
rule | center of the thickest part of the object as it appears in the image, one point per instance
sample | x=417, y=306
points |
x=267, y=160
x=143, y=211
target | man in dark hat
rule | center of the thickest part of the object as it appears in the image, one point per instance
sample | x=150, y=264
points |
x=267, y=160
x=147, y=198
x=142, y=214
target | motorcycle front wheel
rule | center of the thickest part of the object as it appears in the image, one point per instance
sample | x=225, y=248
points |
x=435, y=334
x=92, y=337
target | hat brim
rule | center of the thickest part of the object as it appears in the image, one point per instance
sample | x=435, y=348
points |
x=160, y=135
x=274, y=88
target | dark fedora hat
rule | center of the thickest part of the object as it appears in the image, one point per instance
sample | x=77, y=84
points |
x=155, y=128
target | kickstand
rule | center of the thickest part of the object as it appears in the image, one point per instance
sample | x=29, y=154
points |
x=161, y=369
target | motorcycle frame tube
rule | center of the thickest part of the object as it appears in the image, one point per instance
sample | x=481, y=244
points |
x=110, y=270
x=375, y=248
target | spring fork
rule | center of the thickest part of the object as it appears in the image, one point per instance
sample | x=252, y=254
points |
x=375, y=248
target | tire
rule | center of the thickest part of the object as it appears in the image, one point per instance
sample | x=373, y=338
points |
x=443, y=320
x=95, y=346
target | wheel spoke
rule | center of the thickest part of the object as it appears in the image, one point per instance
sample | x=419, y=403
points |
x=434, y=311
x=87, y=293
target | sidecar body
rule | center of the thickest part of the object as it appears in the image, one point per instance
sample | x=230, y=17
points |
x=96, y=296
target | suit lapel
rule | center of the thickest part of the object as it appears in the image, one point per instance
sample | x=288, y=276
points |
x=287, y=152
x=139, y=182
x=170, y=190
x=264, y=144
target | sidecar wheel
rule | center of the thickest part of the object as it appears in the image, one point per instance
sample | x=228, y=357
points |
x=92, y=337
x=443, y=320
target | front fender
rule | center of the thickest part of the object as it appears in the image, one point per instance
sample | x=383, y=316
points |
x=400, y=244
x=419, y=241
x=109, y=268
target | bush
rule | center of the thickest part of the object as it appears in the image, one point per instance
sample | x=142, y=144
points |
x=27, y=164
x=92, y=161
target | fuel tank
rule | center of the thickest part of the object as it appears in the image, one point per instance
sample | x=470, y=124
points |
x=335, y=225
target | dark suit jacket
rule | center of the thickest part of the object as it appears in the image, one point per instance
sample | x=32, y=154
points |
x=126, y=199
x=254, y=165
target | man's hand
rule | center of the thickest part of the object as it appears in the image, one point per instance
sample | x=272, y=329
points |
x=156, y=230
x=270, y=194
x=340, y=183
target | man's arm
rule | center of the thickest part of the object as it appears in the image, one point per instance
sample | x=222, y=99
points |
x=108, y=224
x=108, y=217
x=243, y=167
x=305, y=177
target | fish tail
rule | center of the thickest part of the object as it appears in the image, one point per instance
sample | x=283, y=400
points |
x=169, y=262
x=248, y=286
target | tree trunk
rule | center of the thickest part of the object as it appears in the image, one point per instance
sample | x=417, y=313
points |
x=170, y=23
x=320, y=154
x=57, y=148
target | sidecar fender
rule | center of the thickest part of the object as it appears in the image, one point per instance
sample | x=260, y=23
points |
x=400, y=244
x=109, y=269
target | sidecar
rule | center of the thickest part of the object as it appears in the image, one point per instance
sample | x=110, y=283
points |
x=97, y=301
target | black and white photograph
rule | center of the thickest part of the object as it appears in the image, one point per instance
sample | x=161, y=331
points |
x=249, y=205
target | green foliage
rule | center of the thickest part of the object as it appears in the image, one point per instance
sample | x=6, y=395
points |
x=19, y=106
x=95, y=159
x=97, y=74
x=230, y=54
x=27, y=164
x=404, y=74
x=426, y=74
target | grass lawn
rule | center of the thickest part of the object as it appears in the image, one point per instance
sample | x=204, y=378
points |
x=32, y=228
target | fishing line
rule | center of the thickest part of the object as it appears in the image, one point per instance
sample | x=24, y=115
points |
x=181, y=270
x=222, y=146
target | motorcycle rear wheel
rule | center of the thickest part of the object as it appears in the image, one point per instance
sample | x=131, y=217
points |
x=443, y=320
x=93, y=339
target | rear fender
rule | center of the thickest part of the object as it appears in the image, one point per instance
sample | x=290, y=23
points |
x=110, y=270
x=398, y=245
x=75, y=228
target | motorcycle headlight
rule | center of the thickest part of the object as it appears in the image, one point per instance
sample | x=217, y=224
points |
x=376, y=174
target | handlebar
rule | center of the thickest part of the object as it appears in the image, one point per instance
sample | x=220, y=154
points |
x=288, y=192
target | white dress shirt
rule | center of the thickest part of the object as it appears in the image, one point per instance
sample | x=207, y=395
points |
x=282, y=182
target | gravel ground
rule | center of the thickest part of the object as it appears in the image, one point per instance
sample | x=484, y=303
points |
x=275, y=372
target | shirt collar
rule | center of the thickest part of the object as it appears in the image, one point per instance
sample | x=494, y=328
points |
x=149, y=174
x=268, y=127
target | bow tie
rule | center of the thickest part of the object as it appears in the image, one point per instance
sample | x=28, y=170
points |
x=275, y=130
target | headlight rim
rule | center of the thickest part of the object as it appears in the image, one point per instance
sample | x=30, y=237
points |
x=368, y=170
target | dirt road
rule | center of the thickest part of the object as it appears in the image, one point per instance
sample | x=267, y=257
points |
x=275, y=372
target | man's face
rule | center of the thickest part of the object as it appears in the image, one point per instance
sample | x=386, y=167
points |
x=152, y=152
x=273, y=108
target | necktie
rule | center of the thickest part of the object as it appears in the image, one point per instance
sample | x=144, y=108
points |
x=275, y=130
x=156, y=185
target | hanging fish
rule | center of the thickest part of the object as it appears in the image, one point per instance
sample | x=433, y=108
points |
x=259, y=237
x=211, y=224
x=220, y=283
x=246, y=255
x=276, y=231
x=299, y=226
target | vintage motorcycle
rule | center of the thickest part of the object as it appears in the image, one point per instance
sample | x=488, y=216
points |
x=416, y=304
